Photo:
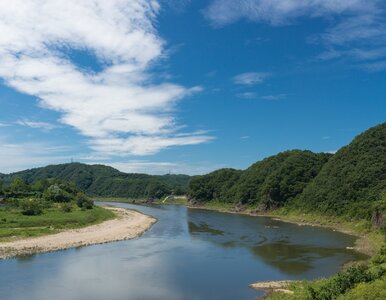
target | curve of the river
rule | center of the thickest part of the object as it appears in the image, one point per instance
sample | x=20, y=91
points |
x=187, y=254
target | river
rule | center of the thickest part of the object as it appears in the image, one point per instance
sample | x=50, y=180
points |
x=188, y=254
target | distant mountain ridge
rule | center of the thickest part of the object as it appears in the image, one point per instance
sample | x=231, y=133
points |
x=100, y=180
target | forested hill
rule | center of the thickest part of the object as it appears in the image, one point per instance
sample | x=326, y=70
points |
x=266, y=184
x=351, y=182
x=100, y=180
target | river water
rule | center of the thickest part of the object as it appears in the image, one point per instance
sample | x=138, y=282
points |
x=188, y=254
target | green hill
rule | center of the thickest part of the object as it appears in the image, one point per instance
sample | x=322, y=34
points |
x=99, y=180
x=268, y=183
x=352, y=181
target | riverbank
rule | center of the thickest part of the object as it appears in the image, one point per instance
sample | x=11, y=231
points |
x=360, y=280
x=368, y=242
x=127, y=225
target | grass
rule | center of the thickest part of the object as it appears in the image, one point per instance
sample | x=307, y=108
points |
x=15, y=225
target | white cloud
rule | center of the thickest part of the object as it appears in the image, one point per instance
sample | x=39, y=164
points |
x=357, y=28
x=21, y=156
x=162, y=167
x=121, y=105
x=274, y=97
x=34, y=124
x=250, y=78
x=279, y=12
x=247, y=95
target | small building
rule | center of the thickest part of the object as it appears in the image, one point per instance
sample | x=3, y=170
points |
x=2, y=199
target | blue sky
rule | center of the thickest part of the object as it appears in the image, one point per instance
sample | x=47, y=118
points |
x=186, y=86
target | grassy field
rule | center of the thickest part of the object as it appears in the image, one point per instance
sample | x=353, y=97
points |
x=15, y=225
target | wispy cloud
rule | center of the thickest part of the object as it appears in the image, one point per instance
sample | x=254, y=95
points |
x=164, y=167
x=38, y=125
x=252, y=95
x=21, y=156
x=247, y=95
x=274, y=97
x=356, y=28
x=251, y=78
x=120, y=108
x=279, y=12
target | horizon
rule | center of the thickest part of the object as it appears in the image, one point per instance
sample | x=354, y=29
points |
x=186, y=87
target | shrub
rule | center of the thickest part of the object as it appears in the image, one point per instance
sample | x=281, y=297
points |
x=30, y=207
x=55, y=194
x=369, y=291
x=340, y=283
x=66, y=207
x=83, y=201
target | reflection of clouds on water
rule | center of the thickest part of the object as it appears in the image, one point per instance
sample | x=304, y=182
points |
x=100, y=276
x=185, y=255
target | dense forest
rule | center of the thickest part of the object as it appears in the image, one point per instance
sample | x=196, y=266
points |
x=351, y=182
x=99, y=180
x=267, y=184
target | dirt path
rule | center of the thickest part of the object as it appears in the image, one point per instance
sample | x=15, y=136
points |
x=128, y=225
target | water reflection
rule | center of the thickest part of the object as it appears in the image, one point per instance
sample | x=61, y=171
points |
x=274, y=242
x=187, y=254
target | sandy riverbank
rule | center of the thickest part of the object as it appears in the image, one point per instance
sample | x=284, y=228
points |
x=273, y=286
x=128, y=224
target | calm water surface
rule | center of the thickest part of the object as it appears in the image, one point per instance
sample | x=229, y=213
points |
x=188, y=254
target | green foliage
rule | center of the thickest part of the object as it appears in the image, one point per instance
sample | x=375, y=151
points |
x=83, y=201
x=1, y=187
x=101, y=180
x=367, y=291
x=66, y=207
x=352, y=182
x=269, y=183
x=56, y=194
x=30, y=207
x=17, y=188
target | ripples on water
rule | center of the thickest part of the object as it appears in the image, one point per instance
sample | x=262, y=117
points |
x=187, y=254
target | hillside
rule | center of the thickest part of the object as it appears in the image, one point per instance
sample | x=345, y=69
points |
x=352, y=182
x=268, y=183
x=100, y=180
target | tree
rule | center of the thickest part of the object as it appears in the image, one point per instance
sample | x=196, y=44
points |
x=1, y=187
x=55, y=194
x=18, y=187
x=30, y=207
x=83, y=201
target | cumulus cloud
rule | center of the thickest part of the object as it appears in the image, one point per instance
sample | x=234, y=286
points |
x=121, y=108
x=250, y=78
x=356, y=30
